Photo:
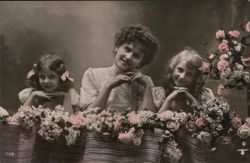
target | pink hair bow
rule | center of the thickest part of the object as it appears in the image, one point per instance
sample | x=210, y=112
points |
x=30, y=73
x=66, y=75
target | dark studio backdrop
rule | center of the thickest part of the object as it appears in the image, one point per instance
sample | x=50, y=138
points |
x=82, y=33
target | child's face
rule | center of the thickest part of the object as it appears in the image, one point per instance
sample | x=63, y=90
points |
x=129, y=56
x=182, y=75
x=48, y=80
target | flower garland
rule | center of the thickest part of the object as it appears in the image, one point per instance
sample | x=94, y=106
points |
x=128, y=128
x=211, y=122
x=231, y=62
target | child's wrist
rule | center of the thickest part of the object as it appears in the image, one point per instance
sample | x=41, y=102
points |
x=107, y=88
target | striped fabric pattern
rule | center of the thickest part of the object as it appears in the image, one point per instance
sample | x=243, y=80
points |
x=105, y=150
x=16, y=144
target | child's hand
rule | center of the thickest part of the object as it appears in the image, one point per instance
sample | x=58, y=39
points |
x=138, y=77
x=40, y=94
x=118, y=80
x=176, y=92
x=186, y=92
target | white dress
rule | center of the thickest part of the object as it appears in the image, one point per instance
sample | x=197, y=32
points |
x=127, y=95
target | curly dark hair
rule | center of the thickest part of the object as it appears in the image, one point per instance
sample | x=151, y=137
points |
x=140, y=33
x=194, y=61
x=54, y=63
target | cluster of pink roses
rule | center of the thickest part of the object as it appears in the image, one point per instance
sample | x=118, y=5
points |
x=27, y=116
x=231, y=62
x=57, y=125
x=213, y=121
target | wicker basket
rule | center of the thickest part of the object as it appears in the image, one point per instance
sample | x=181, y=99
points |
x=58, y=151
x=102, y=149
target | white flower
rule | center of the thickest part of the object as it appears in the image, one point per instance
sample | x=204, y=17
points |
x=239, y=66
x=211, y=56
x=204, y=136
x=243, y=132
x=234, y=42
x=229, y=53
x=225, y=41
x=3, y=112
x=237, y=47
x=224, y=57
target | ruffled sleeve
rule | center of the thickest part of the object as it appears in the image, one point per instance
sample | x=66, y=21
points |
x=89, y=90
x=74, y=97
x=159, y=96
x=24, y=94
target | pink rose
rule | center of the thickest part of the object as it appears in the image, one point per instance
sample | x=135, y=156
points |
x=223, y=47
x=246, y=60
x=173, y=125
x=222, y=64
x=166, y=115
x=118, y=122
x=77, y=121
x=191, y=127
x=206, y=67
x=134, y=119
x=200, y=122
x=220, y=34
x=248, y=26
x=221, y=90
x=236, y=122
x=234, y=34
x=126, y=138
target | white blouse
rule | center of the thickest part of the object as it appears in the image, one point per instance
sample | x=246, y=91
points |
x=127, y=95
x=25, y=93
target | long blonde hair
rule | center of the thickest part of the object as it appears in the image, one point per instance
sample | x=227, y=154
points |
x=193, y=61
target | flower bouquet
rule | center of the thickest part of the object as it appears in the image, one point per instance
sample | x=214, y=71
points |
x=170, y=122
x=231, y=62
x=28, y=116
x=57, y=124
x=213, y=122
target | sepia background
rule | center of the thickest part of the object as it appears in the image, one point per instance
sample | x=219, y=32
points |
x=82, y=33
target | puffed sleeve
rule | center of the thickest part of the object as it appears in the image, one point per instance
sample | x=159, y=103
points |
x=159, y=96
x=88, y=91
x=74, y=97
x=24, y=94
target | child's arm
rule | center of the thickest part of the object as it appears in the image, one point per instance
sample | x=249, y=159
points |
x=33, y=95
x=67, y=103
x=167, y=103
x=66, y=100
x=102, y=98
x=178, y=90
